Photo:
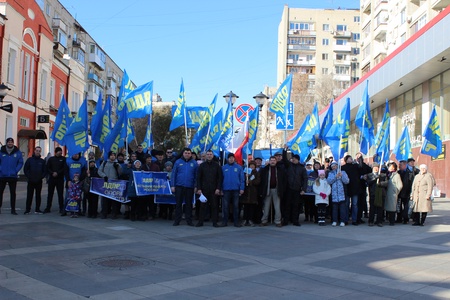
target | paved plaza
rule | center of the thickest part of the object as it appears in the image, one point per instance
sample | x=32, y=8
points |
x=53, y=257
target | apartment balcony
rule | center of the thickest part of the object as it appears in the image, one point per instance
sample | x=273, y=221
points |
x=92, y=96
x=301, y=62
x=302, y=32
x=59, y=24
x=342, y=62
x=79, y=43
x=439, y=4
x=96, y=79
x=96, y=60
x=341, y=77
x=342, y=48
x=311, y=76
x=366, y=6
x=380, y=32
x=111, y=92
x=112, y=75
x=59, y=48
x=342, y=34
x=302, y=47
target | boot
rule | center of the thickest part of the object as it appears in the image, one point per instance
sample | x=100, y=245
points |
x=422, y=219
x=416, y=219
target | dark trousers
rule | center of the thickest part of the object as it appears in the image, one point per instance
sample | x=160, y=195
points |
x=294, y=206
x=362, y=205
x=249, y=211
x=310, y=208
x=183, y=194
x=391, y=217
x=230, y=197
x=213, y=204
x=339, y=211
x=57, y=183
x=110, y=205
x=321, y=212
x=12, y=182
x=92, y=200
x=31, y=188
x=403, y=204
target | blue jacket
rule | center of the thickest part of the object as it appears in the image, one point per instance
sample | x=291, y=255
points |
x=75, y=166
x=35, y=169
x=10, y=164
x=184, y=173
x=233, y=177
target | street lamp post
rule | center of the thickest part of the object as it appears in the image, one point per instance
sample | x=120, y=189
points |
x=261, y=100
x=231, y=96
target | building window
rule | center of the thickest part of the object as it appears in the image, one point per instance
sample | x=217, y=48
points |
x=24, y=122
x=11, y=66
x=341, y=42
x=403, y=16
x=324, y=71
x=356, y=19
x=60, y=37
x=52, y=92
x=356, y=36
x=48, y=9
x=420, y=23
x=44, y=85
x=355, y=51
x=341, y=56
x=325, y=42
x=26, y=78
x=326, y=27
x=342, y=70
x=301, y=26
x=341, y=27
x=75, y=101
x=324, y=56
x=61, y=92
x=78, y=55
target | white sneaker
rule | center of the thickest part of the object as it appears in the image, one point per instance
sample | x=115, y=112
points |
x=334, y=224
x=342, y=224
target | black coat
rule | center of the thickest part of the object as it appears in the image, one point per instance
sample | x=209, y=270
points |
x=296, y=175
x=281, y=181
x=56, y=164
x=209, y=177
x=35, y=169
x=354, y=172
x=407, y=177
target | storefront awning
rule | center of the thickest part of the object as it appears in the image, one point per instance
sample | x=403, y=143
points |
x=32, y=134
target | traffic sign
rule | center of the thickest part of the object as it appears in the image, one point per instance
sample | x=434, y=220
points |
x=242, y=112
x=7, y=107
x=280, y=119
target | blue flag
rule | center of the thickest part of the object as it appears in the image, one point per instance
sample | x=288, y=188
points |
x=364, y=122
x=296, y=144
x=215, y=131
x=227, y=128
x=402, y=150
x=252, y=130
x=337, y=136
x=100, y=135
x=313, y=127
x=432, y=144
x=281, y=99
x=113, y=138
x=383, y=138
x=179, y=116
x=127, y=134
x=138, y=103
x=125, y=88
x=327, y=122
x=62, y=122
x=96, y=119
x=194, y=115
x=200, y=137
x=148, y=139
x=77, y=134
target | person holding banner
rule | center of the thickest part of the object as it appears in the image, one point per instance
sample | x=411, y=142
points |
x=182, y=184
x=209, y=183
x=110, y=169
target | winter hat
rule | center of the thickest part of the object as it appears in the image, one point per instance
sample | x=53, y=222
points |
x=321, y=172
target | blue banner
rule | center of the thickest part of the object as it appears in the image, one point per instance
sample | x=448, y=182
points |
x=77, y=134
x=402, y=149
x=62, y=122
x=178, y=118
x=138, y=103
x=281, y=99
x=432, y=144
x=227, y=128
x=96, y=119
x=383, y=138
x=126, y=87
x=199, y=139
x=113, y=139
x=194, y=115
x=102, y=132
x=169, y=199
x=327, y=121
x=364, y=122
x=337, y=136
x=112, y=189
x=151, y=183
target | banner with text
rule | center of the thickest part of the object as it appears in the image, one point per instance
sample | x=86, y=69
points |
x=113, y=189
x=151, y=183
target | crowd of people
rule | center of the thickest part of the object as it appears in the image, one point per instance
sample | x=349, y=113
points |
x=277, y=191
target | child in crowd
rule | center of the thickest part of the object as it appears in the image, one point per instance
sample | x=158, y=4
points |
x=322, y=190
x=73, y=205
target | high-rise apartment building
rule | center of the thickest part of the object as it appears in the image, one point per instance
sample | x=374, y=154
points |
x=385, y=25
x=321, y=48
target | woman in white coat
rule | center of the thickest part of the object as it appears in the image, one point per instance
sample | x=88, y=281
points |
x=421, y=194
x=322, y=190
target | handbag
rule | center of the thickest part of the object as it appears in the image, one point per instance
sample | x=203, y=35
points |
x=411, y=206
x=87, y=184
x=72, y=205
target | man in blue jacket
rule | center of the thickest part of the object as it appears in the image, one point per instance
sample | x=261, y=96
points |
x=35, y=170
x=233, y=186
x=182, y=184
x=11, y=162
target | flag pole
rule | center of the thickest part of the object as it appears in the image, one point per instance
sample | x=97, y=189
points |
x=339, y=158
